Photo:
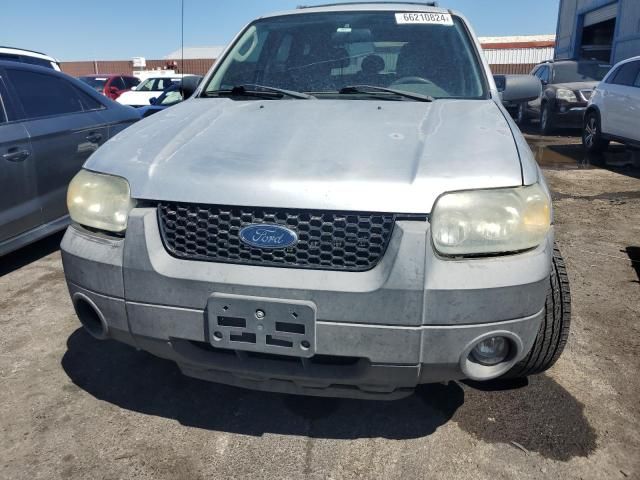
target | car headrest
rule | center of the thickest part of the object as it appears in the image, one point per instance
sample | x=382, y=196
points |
x=340, y=58
x=372, y=64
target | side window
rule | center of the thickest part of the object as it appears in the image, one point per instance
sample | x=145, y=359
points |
x=118, y=83
x=44, y=95
x=612, y=76
x=164, y=83
x=627, y=74
x=131, y=81
x=543, y=74
x=40, y=62
x=9, y=57
x=3, y=116
x=88, y=102
x=171, y=98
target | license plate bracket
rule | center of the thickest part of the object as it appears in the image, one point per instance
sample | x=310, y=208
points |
x=266, y=325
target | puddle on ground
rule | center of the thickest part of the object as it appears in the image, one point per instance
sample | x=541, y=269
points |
x=567, y=153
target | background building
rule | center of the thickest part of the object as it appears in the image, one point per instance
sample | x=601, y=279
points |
x=607, y=30
x=516, y=54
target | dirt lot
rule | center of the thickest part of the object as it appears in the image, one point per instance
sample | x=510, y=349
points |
x=73, y=407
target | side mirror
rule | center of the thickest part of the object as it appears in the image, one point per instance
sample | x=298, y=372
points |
x=189, y=85
x=113, y=90
x=134, y=87
x=518, y=88
x=152, y=101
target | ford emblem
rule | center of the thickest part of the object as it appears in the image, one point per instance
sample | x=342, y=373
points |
x=268, y=236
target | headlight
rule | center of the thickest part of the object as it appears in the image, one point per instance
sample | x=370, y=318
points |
x=479, y=222
x=566, y=95
x=99, y=201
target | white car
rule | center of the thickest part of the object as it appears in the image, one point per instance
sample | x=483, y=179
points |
x=27, y=56
x=146, y=90
x=613, y=112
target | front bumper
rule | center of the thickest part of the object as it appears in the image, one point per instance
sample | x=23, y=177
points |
x=569, y=115
x=410, y=320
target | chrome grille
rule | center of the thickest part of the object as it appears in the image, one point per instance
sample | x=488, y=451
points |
x=348, y=241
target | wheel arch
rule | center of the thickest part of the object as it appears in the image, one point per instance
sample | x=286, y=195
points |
x=592, y=108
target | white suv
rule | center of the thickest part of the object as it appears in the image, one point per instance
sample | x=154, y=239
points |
x=28, y=56
x=613, y=112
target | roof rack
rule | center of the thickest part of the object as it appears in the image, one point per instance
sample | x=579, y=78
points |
x=24, y=50
x=422, y=4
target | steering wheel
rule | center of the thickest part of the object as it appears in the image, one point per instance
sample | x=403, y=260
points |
x=406, y=80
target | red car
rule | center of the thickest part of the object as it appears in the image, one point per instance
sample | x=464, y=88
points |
x=110, y=85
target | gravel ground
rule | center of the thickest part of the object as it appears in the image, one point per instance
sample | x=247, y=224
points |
x=73, y=407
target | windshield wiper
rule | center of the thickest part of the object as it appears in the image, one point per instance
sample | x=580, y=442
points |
x=252, y=89
x=350, y=89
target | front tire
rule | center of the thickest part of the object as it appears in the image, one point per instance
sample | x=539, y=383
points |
x=554, y=330
x=521, y=116
x=592, y=134
x=546, y=120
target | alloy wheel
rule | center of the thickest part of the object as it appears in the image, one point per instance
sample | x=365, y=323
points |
x=590, y=131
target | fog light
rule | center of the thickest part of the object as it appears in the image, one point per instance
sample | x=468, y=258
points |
x=491, y=351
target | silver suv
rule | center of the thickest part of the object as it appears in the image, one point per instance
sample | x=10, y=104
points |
x=342, y=208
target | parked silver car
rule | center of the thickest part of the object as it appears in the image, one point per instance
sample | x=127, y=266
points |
x=342, y=208
x=50, y=124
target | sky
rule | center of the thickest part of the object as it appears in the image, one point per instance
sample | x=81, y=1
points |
x=106, y=30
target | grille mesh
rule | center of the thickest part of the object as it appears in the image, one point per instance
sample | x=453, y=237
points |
x=326, y=240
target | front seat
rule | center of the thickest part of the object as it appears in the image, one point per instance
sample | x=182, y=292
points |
x=370, y=69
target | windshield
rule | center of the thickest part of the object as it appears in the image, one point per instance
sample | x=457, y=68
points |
x=156, y=84
x=579, y=72
x=170, y=97
x=325, y=52
x=146, y=86
x=95, y=82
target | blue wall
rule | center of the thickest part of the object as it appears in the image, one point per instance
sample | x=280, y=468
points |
x=571, y=14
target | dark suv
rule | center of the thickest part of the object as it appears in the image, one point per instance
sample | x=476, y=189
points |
x=567, y=87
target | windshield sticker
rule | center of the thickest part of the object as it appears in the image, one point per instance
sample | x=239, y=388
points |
x=424, y=18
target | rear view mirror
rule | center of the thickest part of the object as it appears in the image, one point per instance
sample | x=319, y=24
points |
x=518, y=88
x=189, y=85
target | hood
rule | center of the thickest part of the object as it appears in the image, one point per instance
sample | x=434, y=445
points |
x=577, y=85
x=356, y=155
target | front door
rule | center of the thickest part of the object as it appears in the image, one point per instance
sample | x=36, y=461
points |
x=64, y=132
x=19, y=206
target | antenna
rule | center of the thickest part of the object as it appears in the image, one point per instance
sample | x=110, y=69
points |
x=182, y=38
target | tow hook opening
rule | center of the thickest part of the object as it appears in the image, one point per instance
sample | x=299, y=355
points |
x=90, y=316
